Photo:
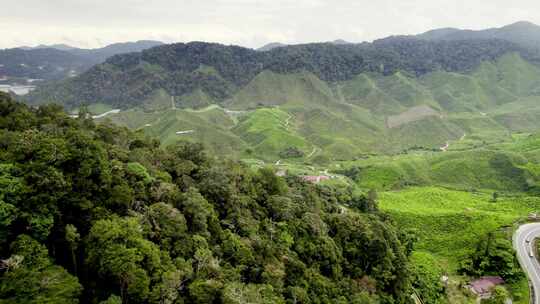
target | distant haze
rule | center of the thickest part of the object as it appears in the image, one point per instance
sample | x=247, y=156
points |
x=252, y=23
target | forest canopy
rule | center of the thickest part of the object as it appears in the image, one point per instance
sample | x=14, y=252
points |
x=98, y=214
x=127, y=80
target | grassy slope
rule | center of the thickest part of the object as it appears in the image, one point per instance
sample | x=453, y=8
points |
x=339, y=129
x=270, y=131
x=347, y=130
x=348, y=120
x=462, y=170
x=505, y=89
x=386, y=95
x=429, y=133
x=449, y=222
x=99, y=108
x=211, y=127
x=271, y=89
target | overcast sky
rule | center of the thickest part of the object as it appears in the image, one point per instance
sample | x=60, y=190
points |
x=252, y=23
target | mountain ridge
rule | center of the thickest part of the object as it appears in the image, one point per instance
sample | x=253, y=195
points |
x=340, y=101
x=54, y=62
x=371, y=113
x=522, y=32
x=126, y=80
x=271, y=46
x=60, y=46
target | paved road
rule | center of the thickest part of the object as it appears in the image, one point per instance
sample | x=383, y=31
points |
x=529, y=264
x=115, y=111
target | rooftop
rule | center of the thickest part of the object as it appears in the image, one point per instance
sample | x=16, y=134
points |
x=484, y=285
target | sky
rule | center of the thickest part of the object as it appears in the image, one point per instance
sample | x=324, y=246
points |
x=250, y=23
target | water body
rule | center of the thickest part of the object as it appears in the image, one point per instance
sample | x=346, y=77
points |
x=17, y=89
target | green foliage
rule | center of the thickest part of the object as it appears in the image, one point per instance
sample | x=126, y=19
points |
x=449, y=222
x=73, y=237
x=31, y=277
x=344, y=119
x=270, y=133
x=113, y=299
x=365, y=203
x=291, y=152
x=217, y=70
x=137, y=223
x=520, y=290
x=499, y=296
x=493, y=255
x=488, y=168
x=137, y=171
x=118, y=250
x=10, y=186
x=237, y=293
x=427, y=278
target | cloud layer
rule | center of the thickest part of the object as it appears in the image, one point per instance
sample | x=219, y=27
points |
x=94, y=23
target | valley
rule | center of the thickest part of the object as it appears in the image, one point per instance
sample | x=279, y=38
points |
x=449, y=200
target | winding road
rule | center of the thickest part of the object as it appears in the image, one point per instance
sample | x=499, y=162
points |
x=523, y=242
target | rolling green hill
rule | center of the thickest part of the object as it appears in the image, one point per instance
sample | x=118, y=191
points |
x=211, y=127
x=512, y=166
x=346, y=120
x=342, y=102
x=269, y=132
x=220, y=71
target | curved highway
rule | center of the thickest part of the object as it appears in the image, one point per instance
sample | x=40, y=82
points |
x=523, y=241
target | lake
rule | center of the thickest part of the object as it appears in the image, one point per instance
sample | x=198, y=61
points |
x=17, y=89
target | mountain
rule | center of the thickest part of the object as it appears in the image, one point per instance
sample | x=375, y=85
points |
x=53, y=62
x=270, y=46
x=273, y=45
x=40, y=63
x=61, y=47
x=101, y=54
x=438, y=34
x=323, y=100
x=221, y=71
x=524, y=33
x=340, y=41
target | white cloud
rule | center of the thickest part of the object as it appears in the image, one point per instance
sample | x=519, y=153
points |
x=93, y=23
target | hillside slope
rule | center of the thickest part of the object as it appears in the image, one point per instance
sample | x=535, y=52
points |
x=221, y=71
x=371, y=113
x=340, y=101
